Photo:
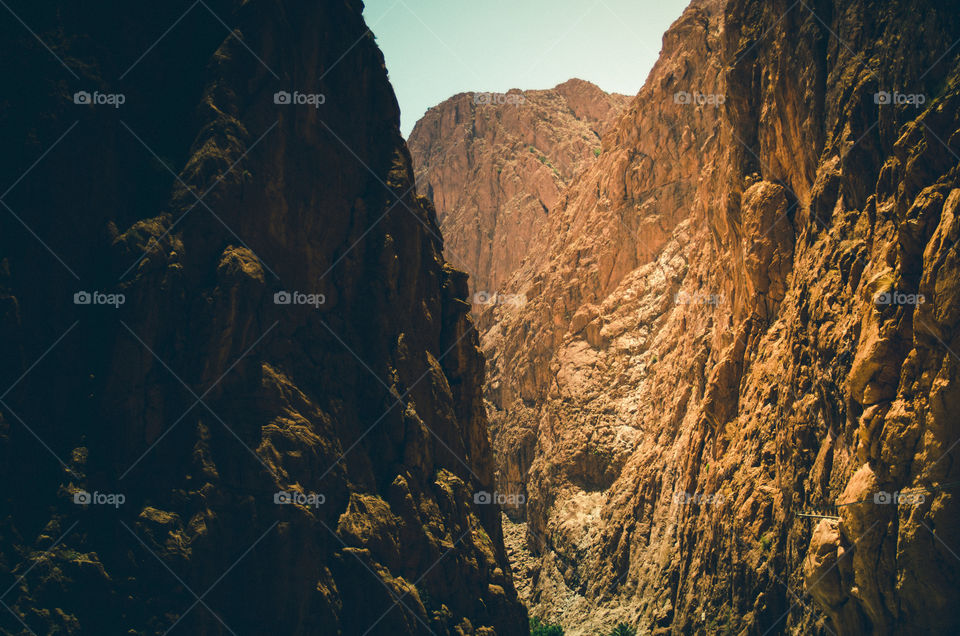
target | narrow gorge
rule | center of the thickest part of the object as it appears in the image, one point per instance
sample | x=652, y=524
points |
x=564, y=361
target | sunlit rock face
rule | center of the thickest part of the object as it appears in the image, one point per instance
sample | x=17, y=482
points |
x=245, y=391
x=496, y=164
x=744, y=309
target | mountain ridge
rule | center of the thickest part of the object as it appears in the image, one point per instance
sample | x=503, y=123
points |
x=460, y=148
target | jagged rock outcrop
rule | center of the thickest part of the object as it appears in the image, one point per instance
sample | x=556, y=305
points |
x=218, y=185
x=744, y=309
x=495, y=166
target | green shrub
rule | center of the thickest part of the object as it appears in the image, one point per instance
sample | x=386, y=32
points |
x=539, y=628
x=623, y=630
x=596, y=152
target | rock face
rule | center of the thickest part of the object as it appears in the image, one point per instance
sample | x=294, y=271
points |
x=216, y=290
x=495, y=166
x=744, y=309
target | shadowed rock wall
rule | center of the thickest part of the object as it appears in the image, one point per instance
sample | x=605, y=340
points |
x=288, y=325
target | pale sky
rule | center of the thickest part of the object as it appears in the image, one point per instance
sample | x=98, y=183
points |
x=437, y=48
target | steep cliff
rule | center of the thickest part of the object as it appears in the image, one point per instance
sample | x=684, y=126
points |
x=495, y=166
x=240, y=388
x=746, y=309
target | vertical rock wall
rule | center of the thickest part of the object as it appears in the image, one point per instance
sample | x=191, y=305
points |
x=221, y=196
x=746, y=310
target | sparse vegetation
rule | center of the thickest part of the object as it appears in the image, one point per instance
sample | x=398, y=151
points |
x=623, y=629
x=540, y=628
x=765, y=541
x=596, y=152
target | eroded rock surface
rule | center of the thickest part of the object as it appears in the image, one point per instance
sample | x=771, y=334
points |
x=744, y=309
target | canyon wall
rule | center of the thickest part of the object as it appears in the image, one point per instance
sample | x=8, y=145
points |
x=241, y=391
x=495, y=165
x=746, y=310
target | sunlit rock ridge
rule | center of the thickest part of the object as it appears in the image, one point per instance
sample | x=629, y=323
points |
x=745, y=311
